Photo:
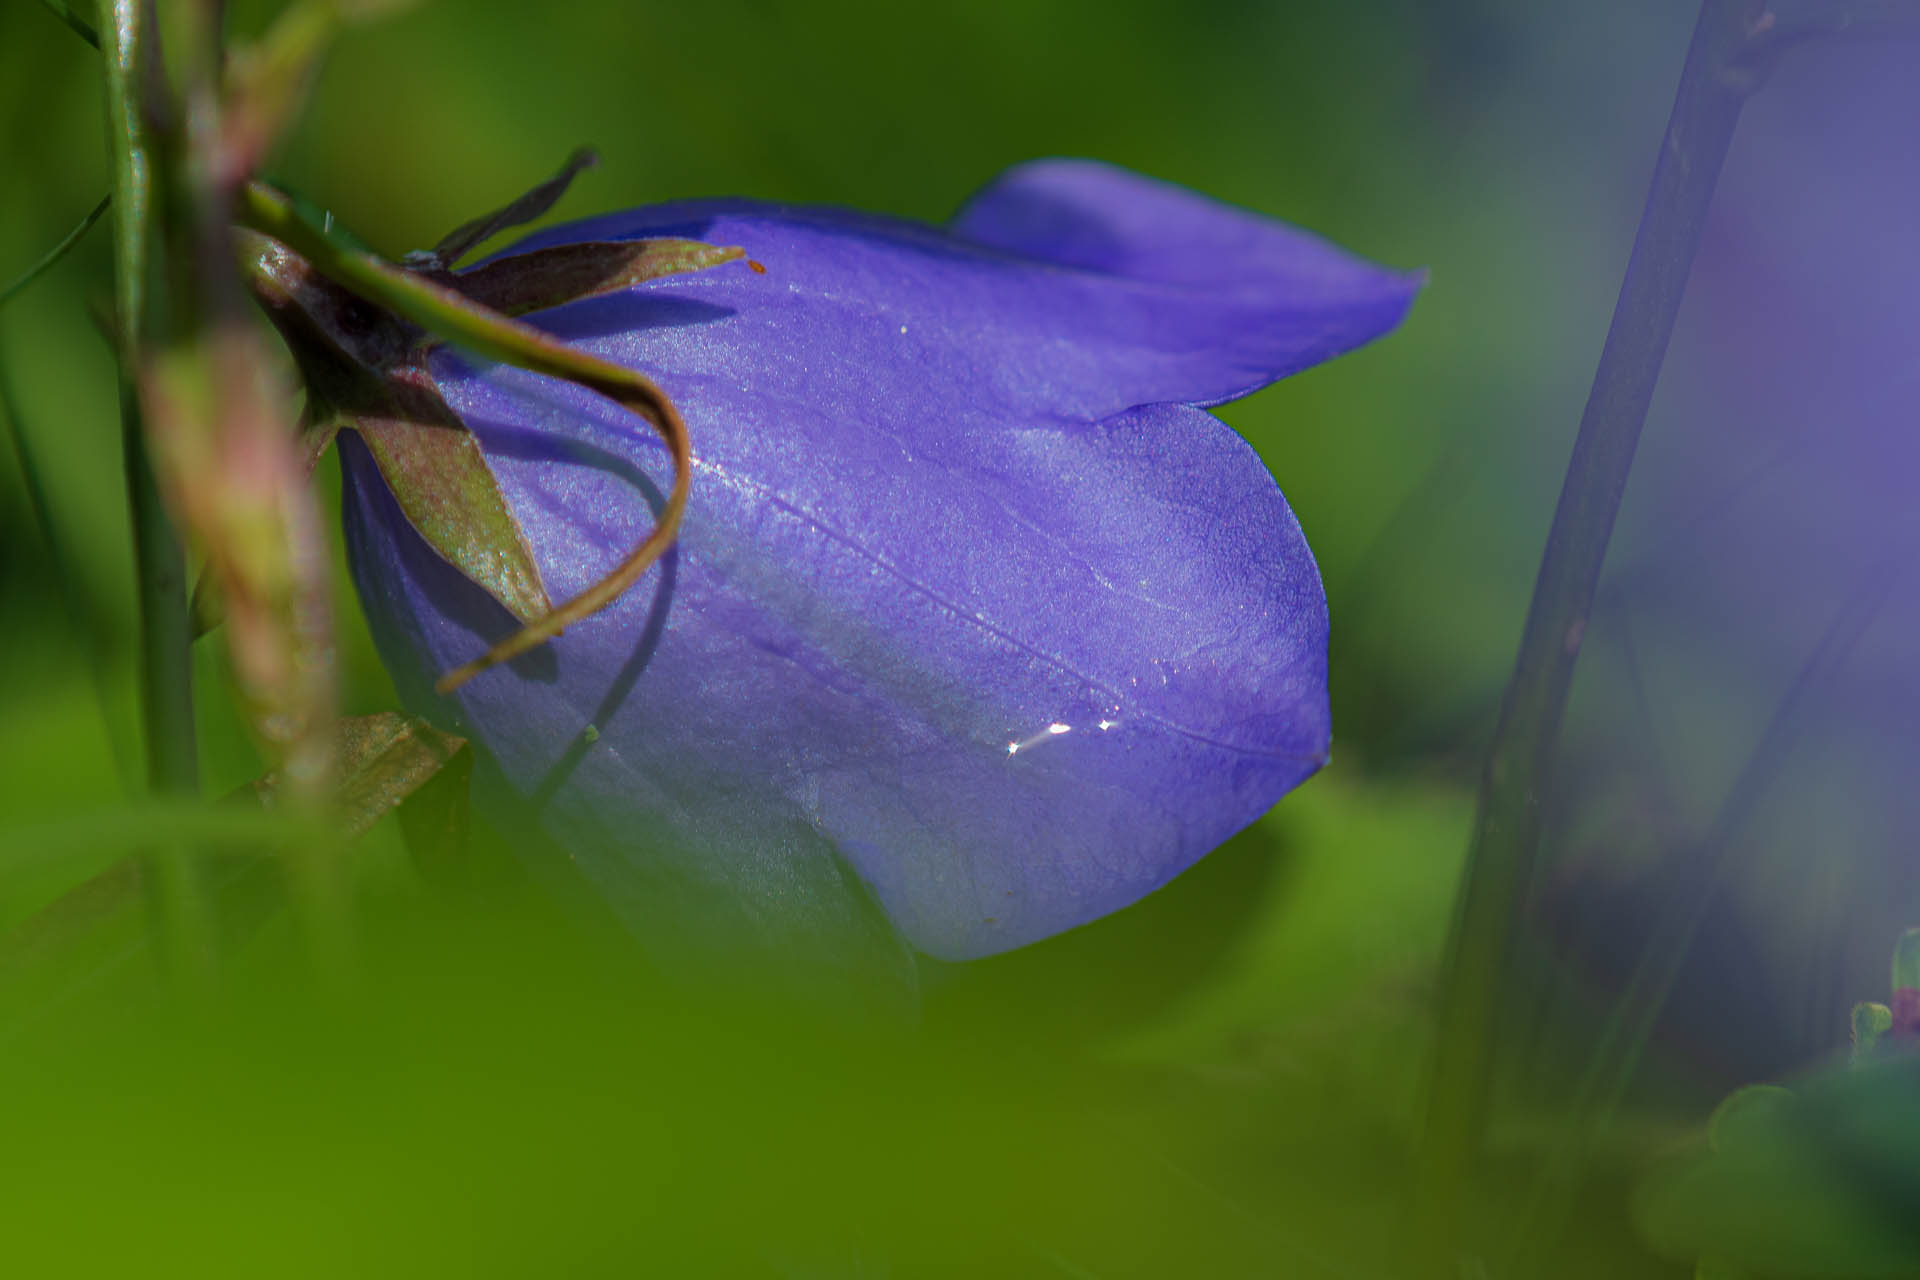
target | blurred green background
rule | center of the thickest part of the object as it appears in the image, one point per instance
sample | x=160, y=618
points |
x=1220, y=1081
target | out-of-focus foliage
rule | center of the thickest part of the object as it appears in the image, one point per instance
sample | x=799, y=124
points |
x=1819, y=1182
x=1223, y=1079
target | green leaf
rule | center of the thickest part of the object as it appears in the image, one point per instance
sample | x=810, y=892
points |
x=1819, y=1183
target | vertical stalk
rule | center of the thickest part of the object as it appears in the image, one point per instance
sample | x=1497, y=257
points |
x=1713, y=84
x=165, y=659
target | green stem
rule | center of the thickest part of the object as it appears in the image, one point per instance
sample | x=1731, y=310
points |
x=75, y=23
x=1713, y=84
x=52, y=256
x=176, y=897
x=166, y=660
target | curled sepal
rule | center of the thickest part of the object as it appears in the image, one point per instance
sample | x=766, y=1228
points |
x=381, y=760
x=541, y=278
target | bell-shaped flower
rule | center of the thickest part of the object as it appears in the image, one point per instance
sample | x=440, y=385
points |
x=976, y=613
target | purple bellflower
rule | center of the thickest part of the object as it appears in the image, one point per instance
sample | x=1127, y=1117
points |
x=975, y=613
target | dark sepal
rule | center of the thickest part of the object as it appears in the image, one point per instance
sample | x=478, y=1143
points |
x=381, y=761
x=541, y=278
x=441, y=479
x=366, y=371
x=469, y=236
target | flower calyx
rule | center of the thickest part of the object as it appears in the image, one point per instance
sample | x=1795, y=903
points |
x=366, y=371
x=366, y=368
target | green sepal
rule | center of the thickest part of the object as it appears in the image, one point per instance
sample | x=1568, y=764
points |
x=543, y=278
x=352, y=319
x=380, y=761
x=470, y=235
x=440, y=477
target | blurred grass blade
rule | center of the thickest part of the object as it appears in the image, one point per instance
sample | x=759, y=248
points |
x=467, y=237
x=264, y=84
x=267, y=82
x=53, y=255
x=86, y=628
x=123, y=832
x=77, y=24
x=103, y=929
x=100, y=933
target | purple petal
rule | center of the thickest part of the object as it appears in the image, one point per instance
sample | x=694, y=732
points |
x=1187, y=301
x=863, y=665
x=964, y=597
x=1096, y=217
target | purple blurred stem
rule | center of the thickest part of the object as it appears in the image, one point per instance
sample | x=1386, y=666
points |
x=1720, y=71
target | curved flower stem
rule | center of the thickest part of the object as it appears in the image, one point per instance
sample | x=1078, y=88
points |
x=1718, y=75
x=445, y=311
x=166, y=663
